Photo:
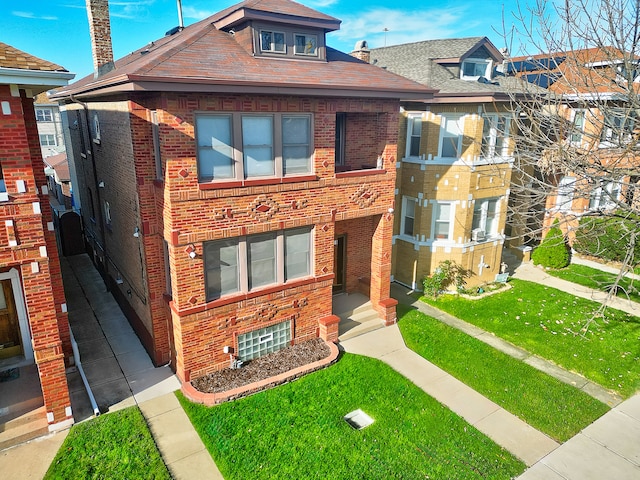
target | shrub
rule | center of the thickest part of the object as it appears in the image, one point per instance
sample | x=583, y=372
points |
x=606, y=237
x=553, y=252
x=447, y=273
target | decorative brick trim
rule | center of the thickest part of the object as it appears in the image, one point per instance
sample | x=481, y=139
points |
x=360, y=173
x=257, y=182
x=210, y=399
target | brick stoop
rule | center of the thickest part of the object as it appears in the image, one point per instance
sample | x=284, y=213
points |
x=210, y=399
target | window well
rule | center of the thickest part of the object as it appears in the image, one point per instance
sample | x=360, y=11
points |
x=358, y=419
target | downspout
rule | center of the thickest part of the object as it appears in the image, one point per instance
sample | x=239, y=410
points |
x=76, y=354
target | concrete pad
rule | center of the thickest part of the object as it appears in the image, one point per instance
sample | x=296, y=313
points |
x=583, y=459
x=174, y=441
x=376, y=343
x=81, y=405
x=31, y=460
x=200, y=465
x=153, y=383
x=521, y=439
x=125, y=343
x=87, y=330
x=134, y=362
x=74, y=380
x=102, y=370
x=619, y=433
x=117, y=327
x=92, y=350
x=114, y=395
x=159, y=405
x=631, y=407
x=504, y=347
x=472, y=406
x=556, y=372
x=540, y=472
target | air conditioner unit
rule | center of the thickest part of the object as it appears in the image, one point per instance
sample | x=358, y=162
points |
x=477, y=234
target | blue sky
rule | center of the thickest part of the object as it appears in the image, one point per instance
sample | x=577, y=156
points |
x=58, y=31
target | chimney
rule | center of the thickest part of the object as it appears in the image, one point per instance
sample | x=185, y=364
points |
x=100, y=31
x=361, y=51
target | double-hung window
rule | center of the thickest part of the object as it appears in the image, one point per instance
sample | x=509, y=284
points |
x=242, y=146
x=451, y=136
x=414, y=132
x=618, y=126
x=407, y=221
x=48, y=140
x=244, y=264
x=485, y=216
x=605, y=196
x=495, y=135
x=564, y=197
x=272, y=41
x=44, y=115
x=577, y=126
x=442, y=220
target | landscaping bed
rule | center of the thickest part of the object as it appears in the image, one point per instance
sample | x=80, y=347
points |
x=263, y=367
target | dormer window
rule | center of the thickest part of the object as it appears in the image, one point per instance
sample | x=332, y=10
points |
x=306, y=44
x=474, y=68
x=272, y=41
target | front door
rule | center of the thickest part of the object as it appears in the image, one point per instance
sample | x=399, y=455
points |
x=339, y=259
x=10, y=339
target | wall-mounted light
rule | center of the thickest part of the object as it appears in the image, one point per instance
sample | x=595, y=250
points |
x=101, y=184
x=191, y=251
x=136, y=232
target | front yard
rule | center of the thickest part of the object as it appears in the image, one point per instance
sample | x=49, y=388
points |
x=297, y=431
x=550, y=323
x=599, y=280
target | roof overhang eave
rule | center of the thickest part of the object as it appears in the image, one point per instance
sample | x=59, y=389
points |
x=37, y=80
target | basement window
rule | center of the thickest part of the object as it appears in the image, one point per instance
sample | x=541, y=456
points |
x=264, y=340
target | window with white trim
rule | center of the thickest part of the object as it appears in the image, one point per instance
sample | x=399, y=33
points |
x=605, y=195
x=564, y=197
x=443, y=220
x=271, y=41
x=246, y=263
x=495, y=134
x=305, y=44
x=451, y=129
x=577, y=126
x=414, y=132
x=474, y=68
x=407, y=221
x=48, y=140
x=485, y=216
x=264, y=340
x=238, y=146
x=618, y=126
x=44, y=115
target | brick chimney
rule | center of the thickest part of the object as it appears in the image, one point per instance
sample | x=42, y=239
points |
x=100, y=31
x=361, y=51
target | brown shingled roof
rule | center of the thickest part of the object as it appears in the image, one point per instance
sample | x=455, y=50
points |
x=203, y=57
x=11, y=57
x=274, y=6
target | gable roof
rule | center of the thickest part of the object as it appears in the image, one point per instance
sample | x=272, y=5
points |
x=425, y=62
x=11, y=57
x=203, y=58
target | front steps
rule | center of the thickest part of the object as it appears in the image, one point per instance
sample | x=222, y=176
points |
x=357, y=315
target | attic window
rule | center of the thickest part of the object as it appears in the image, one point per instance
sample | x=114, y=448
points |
x=472, y=69
x=272, y=41
x=306, y=44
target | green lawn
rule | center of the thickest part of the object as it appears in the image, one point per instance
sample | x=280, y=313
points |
x=113, y=446
x=545, y=321
x=297, y=431
x=553, y=407
x=598, y=280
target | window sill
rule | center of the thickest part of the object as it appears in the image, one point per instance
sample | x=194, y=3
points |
x=4, y=197
x=255, y=182
x=360, y=173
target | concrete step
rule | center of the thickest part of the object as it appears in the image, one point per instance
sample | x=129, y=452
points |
x=22, y=428
x=351, y=330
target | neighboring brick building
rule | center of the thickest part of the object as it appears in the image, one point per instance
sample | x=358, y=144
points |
x=33, y=318
x=455, y=158
x=233, y=175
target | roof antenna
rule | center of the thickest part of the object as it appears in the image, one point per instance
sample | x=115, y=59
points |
x=180, y=20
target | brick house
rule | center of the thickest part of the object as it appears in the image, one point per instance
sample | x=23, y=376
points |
x=455, y=158
x=33, y=318
x=233, y=176
x=594, y=120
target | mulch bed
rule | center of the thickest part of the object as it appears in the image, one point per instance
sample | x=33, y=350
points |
x=264, y=367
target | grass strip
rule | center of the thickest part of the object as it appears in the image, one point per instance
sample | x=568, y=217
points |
x=598, y=280
x=113, y=446
x=297, y=431
x=553, y=407
x=549, y=323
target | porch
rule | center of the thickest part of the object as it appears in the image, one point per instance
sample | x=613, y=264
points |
x=357, y=315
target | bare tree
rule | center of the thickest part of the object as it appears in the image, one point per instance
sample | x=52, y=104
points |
x=578, y=142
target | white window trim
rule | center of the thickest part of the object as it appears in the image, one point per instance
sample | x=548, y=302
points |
x=485, y=61
x=605, y=201
x=237, y=144
x=45, y=109
x=610, y=140
x=435, y=207
x=493, y=134
x=405, y=202
x=564, y=200
x=445, y=117
x=580, y=133
x=243, y=262
x=48, y=137
x=484, y=210
x=411, y=118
